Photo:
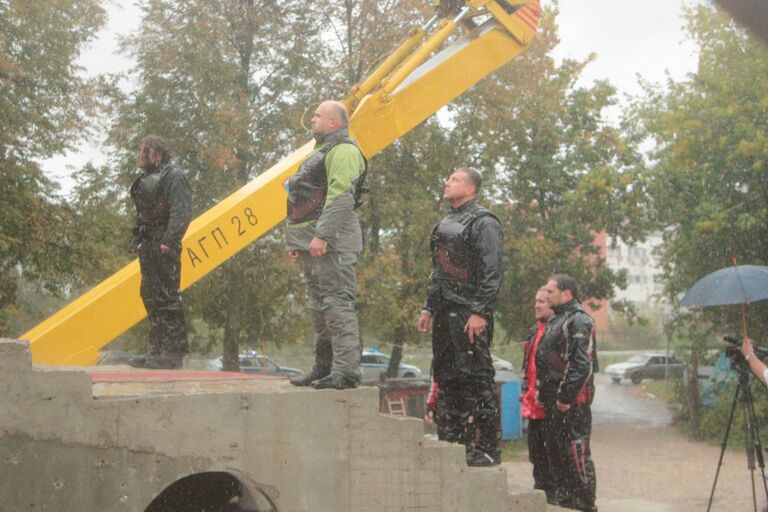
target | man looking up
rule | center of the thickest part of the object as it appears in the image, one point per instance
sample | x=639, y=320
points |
x=465, y=280
x=533, y=409
x=324, y=233
x=565, y=364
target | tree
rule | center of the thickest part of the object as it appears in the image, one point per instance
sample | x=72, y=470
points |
x=43, y=104
x=360, y=34
x=556, y=173
x=222, y=81
x=706, y=173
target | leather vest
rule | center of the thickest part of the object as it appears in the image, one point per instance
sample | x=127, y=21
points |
x=308, y=188
x=147, y=195
x=452, y=256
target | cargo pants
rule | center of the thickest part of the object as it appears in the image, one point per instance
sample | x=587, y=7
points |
x=160, y=282
x=332, y=285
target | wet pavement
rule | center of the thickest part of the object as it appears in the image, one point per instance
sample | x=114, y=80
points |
x=644, y=464
x=622, y=403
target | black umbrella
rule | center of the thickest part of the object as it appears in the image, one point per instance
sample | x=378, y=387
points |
x=739, y=284
x=733, y=285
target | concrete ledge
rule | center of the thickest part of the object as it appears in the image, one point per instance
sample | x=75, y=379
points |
x=289, y=449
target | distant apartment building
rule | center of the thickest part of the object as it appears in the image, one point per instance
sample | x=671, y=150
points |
x=644, y=287
x=642, y=266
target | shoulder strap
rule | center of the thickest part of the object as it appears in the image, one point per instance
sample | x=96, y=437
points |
x=360, y=187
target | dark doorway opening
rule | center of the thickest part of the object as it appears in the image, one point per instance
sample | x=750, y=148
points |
x=210, y=492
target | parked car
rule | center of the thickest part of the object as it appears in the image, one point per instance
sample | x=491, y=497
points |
x=256, y=363
x=501, y=365
x=374, y=363
x=644, y=366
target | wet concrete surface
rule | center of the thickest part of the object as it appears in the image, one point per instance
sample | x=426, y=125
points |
x=644, y=464
x=622, y=404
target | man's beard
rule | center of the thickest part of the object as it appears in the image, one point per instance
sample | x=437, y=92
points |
x=149, y=166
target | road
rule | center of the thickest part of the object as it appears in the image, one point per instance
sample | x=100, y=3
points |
x=644, y=465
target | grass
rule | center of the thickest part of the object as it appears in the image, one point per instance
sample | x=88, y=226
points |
x=515, y=450
x=660, y=389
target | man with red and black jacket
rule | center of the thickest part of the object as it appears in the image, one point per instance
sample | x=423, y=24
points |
x=565, y=362
x=533, y=409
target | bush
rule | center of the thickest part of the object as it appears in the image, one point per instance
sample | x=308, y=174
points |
x=714, y=419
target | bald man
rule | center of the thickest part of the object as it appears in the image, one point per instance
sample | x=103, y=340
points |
x=324, y=234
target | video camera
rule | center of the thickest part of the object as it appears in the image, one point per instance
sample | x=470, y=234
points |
x=734, y=352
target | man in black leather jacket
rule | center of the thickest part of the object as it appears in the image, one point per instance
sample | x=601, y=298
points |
x=465, y=280
x=565, y=362
x=163, y=212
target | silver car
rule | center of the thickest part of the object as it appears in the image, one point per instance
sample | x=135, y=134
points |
x=644, y=366
x=374, y=363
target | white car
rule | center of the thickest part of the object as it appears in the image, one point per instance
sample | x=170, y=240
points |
x=374, y=363
x=501, y=365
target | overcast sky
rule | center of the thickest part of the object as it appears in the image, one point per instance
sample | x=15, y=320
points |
x=630, y=38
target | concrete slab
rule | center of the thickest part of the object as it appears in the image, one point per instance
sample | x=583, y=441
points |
x=633, y=506
x=128, y=440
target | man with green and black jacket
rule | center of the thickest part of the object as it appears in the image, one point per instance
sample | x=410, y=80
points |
x=324, y=233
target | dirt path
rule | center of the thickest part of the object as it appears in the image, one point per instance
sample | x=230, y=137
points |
x=640, y=457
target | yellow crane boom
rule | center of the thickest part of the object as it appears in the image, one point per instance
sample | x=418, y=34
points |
x=409, y=86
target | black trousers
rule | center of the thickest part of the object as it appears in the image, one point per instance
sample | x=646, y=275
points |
x=566, y=437
x=160, y=282
x=467, y=412
x=467, y=409
x=537, y=455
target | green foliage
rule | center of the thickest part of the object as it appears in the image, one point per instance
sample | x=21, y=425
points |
x=43, y=104
x=707, y=184
x=225, y=82
x=713, y=420
x=707, y=189
x=557, y=173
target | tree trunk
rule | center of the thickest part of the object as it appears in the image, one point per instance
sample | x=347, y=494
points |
x=693, y=394
x=230, y=358
x=397, y=353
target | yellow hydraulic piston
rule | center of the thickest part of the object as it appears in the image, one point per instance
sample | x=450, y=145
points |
x=405, y=90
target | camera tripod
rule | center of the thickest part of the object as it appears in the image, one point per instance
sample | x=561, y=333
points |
x=752, y=444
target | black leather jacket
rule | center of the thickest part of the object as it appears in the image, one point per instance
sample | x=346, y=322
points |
x=482, y=257
x=566, y=357
x=163, y=201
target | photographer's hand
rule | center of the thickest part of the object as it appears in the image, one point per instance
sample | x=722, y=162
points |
x=755, y=364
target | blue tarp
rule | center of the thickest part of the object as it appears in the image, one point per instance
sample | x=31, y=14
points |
x=511, y=415
x=722, y=374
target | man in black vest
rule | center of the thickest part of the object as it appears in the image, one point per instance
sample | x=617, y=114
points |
x=163, y=211
x=465, y=280
x=324, y=233
x=565, y=364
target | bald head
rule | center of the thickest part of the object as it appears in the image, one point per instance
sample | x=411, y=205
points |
x=329, y=117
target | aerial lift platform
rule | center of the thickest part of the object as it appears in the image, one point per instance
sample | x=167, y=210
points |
x=424, y=73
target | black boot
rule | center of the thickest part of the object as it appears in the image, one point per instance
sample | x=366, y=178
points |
x=308, y=379
x=335, y=381
x=480, y=458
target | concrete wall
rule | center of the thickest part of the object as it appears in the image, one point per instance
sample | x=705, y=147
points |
x=292, y=449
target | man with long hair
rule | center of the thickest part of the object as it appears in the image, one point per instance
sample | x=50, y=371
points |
x=162, y=197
